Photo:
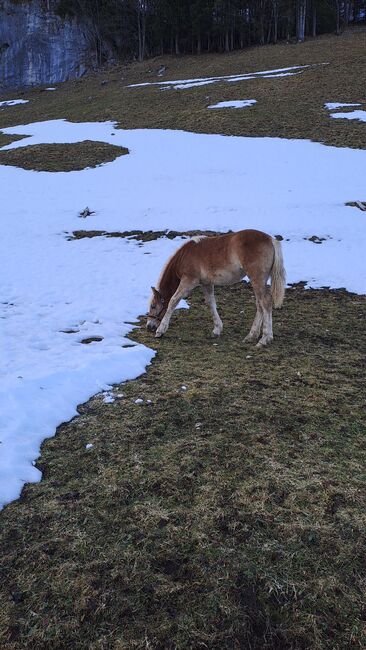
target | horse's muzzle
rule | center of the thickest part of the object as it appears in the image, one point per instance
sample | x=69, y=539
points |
x=152, y=324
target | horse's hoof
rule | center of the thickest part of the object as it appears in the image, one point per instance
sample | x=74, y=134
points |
x=264, y=341
x=158, y=334
x=216, y=333
x=249, y=338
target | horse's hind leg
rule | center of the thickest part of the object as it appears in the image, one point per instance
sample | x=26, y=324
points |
x=267, y=333
x=208, y=292
x=255, y=330
x=263, y=317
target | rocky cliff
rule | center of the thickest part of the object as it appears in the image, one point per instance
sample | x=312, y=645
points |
x=37, y=46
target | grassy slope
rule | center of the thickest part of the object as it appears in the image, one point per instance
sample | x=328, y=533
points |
x=232, y=514
x=287, y=107
x=229, y=515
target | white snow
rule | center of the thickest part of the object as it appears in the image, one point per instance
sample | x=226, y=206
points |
x=183, y=86
x=349, y=115
x=202, y=81
x=237, y=103
x=282, y=74
x=14, y=102
x=89, y=445
x=108, y=398
x=333, y=105
x=352, y=115
x=50, y=88
x=55, y=293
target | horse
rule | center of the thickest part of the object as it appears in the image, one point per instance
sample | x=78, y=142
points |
x=218, y=261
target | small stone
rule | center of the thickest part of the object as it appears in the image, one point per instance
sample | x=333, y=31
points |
x=183, y=387
x=89, y=445
x=139, y=401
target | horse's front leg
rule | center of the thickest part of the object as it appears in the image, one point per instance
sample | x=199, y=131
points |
x=185, y=287
x=208, y=292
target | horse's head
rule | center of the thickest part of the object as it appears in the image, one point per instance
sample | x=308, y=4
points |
x=157, y=309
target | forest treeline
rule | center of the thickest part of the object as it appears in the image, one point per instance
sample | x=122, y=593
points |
x=145, y=28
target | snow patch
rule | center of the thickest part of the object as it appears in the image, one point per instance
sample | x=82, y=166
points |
x=352, y=115
x=333, y=105
x=238, y=103
x=14, y=102
x=180, y=84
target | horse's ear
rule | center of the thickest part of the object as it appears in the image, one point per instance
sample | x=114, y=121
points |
x=155, y=292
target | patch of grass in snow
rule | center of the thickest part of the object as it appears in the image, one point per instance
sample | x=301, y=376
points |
x=151, y=235
x=8, y=139
x=141, y=235
x=287, y=107
x=227, y=515
x=62, y=157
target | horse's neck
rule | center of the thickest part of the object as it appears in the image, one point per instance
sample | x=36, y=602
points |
x=169, y=282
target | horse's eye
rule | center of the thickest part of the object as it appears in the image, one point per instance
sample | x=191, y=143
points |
x=153, y=305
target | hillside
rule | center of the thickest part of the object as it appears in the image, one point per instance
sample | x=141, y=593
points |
x=217, y=499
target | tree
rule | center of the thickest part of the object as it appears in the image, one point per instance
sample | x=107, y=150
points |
x=300, y=20
x=141, y=28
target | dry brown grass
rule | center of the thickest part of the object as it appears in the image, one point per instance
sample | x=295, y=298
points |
x=229, y=515
x=62, y=157
x=140, y=235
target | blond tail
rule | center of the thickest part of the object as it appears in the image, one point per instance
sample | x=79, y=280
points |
x=278, y=275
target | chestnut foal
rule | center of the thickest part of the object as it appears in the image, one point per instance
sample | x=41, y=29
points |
x=222, y=260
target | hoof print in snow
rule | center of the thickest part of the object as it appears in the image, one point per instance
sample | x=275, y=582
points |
x=92, y=339
x=69, y=330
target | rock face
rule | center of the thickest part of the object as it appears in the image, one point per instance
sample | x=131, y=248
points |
x=39, y=47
